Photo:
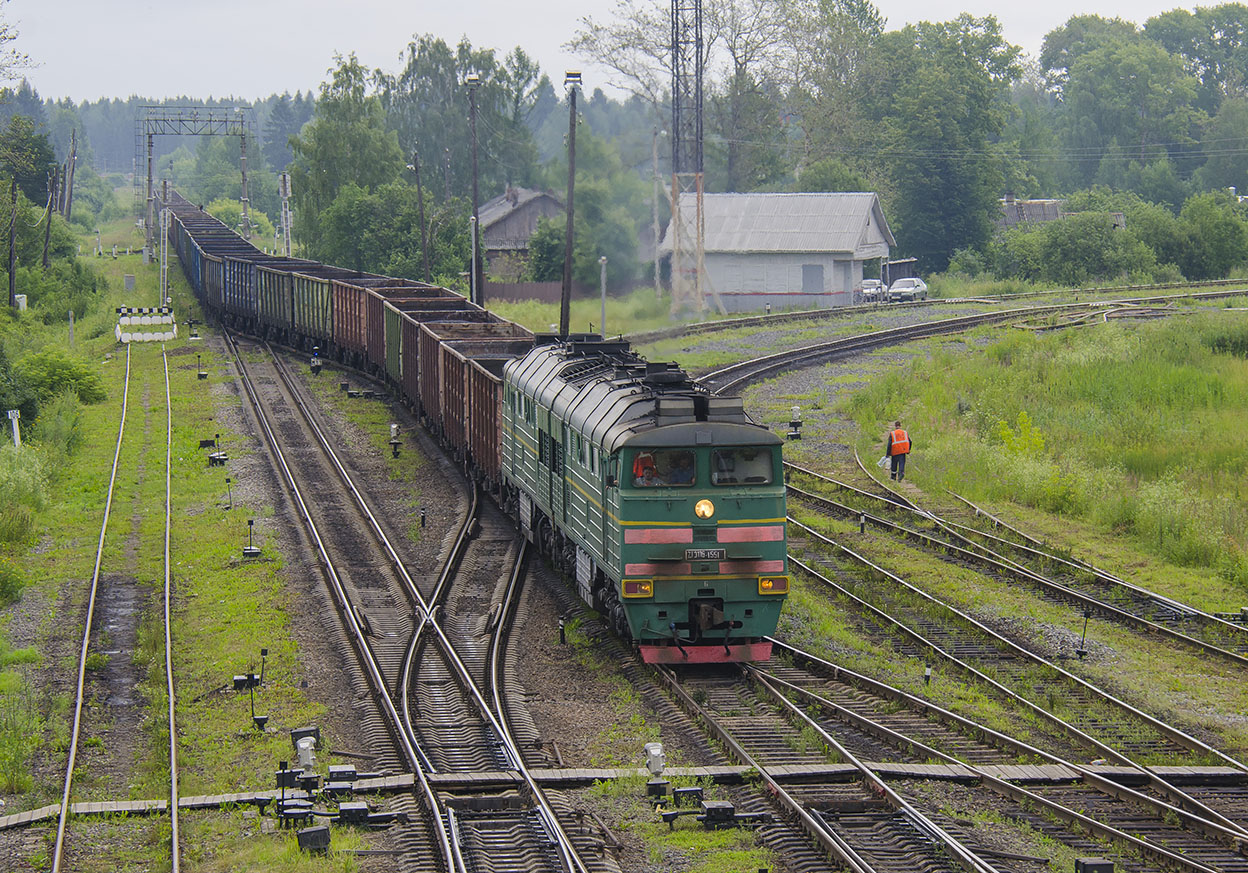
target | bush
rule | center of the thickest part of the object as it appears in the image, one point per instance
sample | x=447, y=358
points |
x=67, y=285
x=52, y=372
x=11, y=582
x=57, y=427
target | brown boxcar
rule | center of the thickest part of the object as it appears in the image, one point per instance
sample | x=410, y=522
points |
x=398, y=296
x=433, y=333
x=455, y=398
x=353, y=308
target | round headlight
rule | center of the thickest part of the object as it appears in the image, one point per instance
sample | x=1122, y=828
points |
x=704, y=509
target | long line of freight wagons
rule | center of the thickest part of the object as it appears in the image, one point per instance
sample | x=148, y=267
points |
x=443, y=352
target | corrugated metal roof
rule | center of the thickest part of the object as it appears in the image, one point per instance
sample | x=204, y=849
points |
x=495, y=210
x=838, y=222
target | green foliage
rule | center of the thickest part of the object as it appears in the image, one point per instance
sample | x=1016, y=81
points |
x=427, y=106
x=19, y=736
x=51, y=371
x=380, y=232
x=1024, y=439
x=24, y=478
x=830, y=174
x=546, y=251
x=69, y=285
x=1136, y=430
x=1216, y=237
x=12, y=581
x=1133, y=95
x=26, y=154
x=940, y=89
x=345, y=143
x=59, y=426
x=610, y=203
x=230, y=213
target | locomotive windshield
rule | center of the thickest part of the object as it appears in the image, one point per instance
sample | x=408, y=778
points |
x=683, y=468
x=741, y=466
x=656, y=467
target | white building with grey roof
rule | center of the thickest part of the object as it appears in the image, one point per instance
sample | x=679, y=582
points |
x=789, y=250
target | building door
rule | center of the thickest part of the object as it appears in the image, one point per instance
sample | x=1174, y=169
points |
x=812, y=278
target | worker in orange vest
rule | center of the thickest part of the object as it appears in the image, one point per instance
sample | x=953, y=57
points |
x=898, y=447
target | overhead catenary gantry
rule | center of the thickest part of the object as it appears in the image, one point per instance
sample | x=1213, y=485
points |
x=188, y=121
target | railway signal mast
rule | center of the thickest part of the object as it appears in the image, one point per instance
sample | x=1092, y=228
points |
x=688, y=232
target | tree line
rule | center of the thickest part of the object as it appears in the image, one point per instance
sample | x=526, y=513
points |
x=942, y=119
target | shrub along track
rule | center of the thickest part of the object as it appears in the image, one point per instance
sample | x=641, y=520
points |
x=114, y=607
x=413, y=713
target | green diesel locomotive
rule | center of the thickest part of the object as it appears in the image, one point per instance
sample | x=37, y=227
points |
x=665, y=503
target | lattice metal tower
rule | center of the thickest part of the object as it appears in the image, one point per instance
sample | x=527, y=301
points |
x=686, y=86
x=689, y=283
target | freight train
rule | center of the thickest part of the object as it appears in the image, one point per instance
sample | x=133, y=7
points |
x=664, y=503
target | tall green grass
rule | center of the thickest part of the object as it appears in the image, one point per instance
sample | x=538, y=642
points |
x=1138, y=428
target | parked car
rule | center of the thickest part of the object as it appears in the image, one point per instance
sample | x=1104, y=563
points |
x=873, y=291
x=907, y=289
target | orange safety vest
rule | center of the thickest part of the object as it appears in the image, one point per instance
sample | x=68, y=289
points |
x=901, y=443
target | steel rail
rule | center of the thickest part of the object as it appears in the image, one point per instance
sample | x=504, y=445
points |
x=1030, y=546
x=502, y=624
x=992, y=299
x=371, y=668
x=735, y=375
x=1233, y=840
x=826, y=837
x=1037, y=548
x=498, y=639
x=174, y=837
x=965, y=858
x=976, y=552
x=1179, y=737
x=920, y=705
x=425, y=618
x=58, y=850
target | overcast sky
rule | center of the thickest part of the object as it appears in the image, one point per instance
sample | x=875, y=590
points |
x=87, y=49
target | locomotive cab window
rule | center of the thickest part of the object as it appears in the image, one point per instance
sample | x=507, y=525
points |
x=741, y=466
x=656, y=467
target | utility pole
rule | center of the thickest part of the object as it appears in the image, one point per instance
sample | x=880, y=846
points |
x=70, y=165
x=283, y=188
x=150, y=221
x=47, y=230
x=478, y=293
x=658, y=291
x=420, y=201
x=602, y=284
x=571, y=79
x=242, y=139
x=446, y=174
x=12, y=250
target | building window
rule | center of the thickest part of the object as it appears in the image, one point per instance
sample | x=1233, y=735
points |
x=812, y=278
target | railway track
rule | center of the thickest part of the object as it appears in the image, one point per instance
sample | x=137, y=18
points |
x=842, y=311
x=880, y=723
x=863, y=824
x=735, y=376
x=108, y=600
x=1085, y=714
x=427, y=694
x=1055, y=576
